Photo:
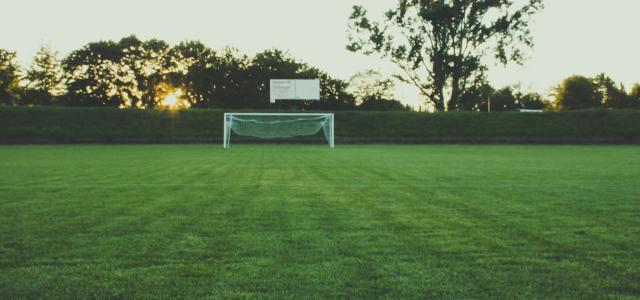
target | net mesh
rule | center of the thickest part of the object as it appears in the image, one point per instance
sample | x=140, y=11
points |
x=279, y=126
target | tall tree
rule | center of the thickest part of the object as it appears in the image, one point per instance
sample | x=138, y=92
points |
x=94, y=76
x=9, y=78
x=503, y=100
x=372, y=91
x=210, y=78
x=533, y=101
x=232, y=87
x=334, y=92
x=189, y=70
x=44, y=78
x=439, y=44
x=635, y=95
x=613, y=96
x=577, y=92
x=476, y=97
x=370, y=84
x=148, y=61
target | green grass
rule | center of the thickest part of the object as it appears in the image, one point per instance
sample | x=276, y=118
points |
x=280, y=221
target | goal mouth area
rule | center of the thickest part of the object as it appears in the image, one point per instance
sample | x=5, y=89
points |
x=272, y=128
x=317, y=139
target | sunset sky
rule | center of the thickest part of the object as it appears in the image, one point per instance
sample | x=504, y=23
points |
x=572, y=36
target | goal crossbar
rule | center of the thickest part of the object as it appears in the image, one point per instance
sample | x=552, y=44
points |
x=278, y=125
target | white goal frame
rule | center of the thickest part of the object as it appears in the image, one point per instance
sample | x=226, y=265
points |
x=226, y=137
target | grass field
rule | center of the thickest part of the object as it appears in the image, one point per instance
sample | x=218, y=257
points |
x=306, y=221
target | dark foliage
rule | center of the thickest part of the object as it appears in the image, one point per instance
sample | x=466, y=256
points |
x=135, y=73
x=503, y=100
x=378, y=104
x=533, y=101
x=9, y=78
x=577, y=92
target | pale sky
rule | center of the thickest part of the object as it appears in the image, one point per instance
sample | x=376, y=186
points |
x=572, y=36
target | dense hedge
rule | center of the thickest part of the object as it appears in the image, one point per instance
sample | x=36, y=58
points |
x=105, y=125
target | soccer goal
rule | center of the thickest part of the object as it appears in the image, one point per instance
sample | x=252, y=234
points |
x=278, y=125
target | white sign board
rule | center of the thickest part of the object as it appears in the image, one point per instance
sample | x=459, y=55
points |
x=294, y=89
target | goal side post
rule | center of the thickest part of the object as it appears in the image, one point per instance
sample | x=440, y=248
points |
x=333, y=129
x=226, y=133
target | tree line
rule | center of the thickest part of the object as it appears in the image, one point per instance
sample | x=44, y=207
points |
x=574, y=92
x=140, y=74
x=136, y=73
x=440, y=47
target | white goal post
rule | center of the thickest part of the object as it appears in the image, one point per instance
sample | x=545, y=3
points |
x=278, y=125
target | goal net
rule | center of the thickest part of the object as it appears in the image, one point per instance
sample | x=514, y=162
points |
x=277, y=125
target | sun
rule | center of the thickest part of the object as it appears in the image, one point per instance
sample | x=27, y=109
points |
x=170, y=100
x=174, y=101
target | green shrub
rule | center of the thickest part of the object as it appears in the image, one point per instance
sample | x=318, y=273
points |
x=108, y=125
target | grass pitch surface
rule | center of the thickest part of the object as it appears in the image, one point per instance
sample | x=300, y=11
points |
x=305, y=221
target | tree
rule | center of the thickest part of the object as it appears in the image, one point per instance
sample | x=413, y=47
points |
x=232, y=87
x=377, y=104
x=211, y=79
x=503, y=100
x=635, y=95
x=577, y=92
x=371, y=85
x=334, y=93
x=9, y=78
x=129, y=73
x=148, y=62
x=94, y=76
x=439, y=44
x=533, y=101
x=189, y=61
x=44, y=78
x=613, y=96
x=374, y=92
x=475, y=98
